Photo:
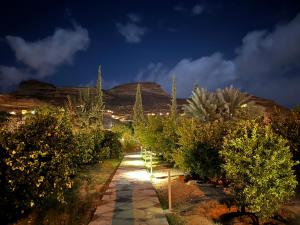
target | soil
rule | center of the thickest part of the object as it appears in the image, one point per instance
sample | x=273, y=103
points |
x=207, y=204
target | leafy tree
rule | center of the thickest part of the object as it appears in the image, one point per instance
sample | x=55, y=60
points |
x=198, y=146
x=138, y=113
x=35, y=162
x=287, y=124
x=259, y=165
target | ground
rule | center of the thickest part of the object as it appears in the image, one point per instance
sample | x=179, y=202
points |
x=207, y=204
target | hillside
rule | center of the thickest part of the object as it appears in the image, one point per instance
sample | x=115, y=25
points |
x=119, y=99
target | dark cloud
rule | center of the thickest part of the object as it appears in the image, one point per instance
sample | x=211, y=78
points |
x=42, y=58
x=267, y=64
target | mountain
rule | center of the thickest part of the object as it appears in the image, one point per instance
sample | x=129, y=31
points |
x=119, y=99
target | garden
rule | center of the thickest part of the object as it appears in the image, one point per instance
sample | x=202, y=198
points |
x=231, y=162
x=55, y=163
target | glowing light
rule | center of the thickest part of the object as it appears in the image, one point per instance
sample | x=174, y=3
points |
x=136, y=156
x=24, y=111
x=134, y=163
x=12, y=113
x=138, y=175
x=33, y=112
x=244, y=105
x=161, y=114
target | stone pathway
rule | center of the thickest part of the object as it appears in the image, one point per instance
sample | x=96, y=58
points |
x=130, y=198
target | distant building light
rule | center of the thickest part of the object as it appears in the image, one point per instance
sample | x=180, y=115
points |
x=24, y=111
x=12, y=113
x=33, y=112
x=244, y=106
x=167, y=113
x=153, y=114
x=161, y=114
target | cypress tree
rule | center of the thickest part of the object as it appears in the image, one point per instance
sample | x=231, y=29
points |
x=99, y=88
x=173, y=99
x=99, y=99
x=138, y=114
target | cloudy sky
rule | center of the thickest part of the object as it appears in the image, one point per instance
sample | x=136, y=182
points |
x=253, y=45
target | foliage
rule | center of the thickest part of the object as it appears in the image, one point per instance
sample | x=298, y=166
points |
x=4, y=116
x=126, y=135
x=231, y=100
x=35, y=162
x=151, y=134
x=109, y=147
x=99, y=100
x=259, y=165
x=199, y=144
x=224, y=104
x=287, y=124
x=138, y=114
x=202, y=105
x=173, y=99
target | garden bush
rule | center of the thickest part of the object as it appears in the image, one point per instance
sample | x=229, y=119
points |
x=287, y=124
x=126, y=135
x=109, y=146
x=199, y=143
x=259, y=165
x=85, y=152
x=35, y=162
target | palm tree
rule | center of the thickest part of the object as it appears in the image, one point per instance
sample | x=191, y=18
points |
x=202, y=105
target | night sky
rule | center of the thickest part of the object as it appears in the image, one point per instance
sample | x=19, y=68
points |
x=252, y=45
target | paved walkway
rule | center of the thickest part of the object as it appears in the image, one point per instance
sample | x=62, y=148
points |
x=130, y=198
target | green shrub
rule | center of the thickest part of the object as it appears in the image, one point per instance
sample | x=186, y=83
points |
x=35, y=162
x=259, y=165
x=109, y=146
x=126, y=136
x=199, y=144
x=288, y=126
x=85, y=148
x=4, y=116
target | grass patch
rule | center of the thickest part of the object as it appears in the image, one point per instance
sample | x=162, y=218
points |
x=81, y=201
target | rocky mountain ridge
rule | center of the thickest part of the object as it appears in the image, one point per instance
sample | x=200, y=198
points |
x=119, y=99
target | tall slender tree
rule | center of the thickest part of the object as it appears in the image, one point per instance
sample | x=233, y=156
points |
x=173, y=99
x=99, y=105
x=138, y=113
x=99, y=88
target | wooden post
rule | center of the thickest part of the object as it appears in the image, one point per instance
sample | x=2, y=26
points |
x=151, y=163
x=169, y=190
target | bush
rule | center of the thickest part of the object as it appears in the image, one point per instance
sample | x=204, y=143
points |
x=199, y=144
x=109, y=146
x=85, y=148
x=4, y=116
x=35, y=162
x=258, y=163
x=288, y=126
x=126, y=135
